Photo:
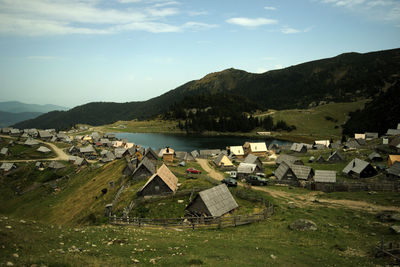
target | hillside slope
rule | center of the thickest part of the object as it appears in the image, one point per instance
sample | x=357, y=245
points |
x=344, y=78
x=18, y=107
x=10, y=118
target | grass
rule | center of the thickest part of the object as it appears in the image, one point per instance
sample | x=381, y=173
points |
x=146, y=126
x=20, y=152
x=379, y=198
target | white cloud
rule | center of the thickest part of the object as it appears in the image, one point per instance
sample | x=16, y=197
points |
x=288, y=30
x=197, y=13
x=48, y=17
x=269, y=8
x=249, y=22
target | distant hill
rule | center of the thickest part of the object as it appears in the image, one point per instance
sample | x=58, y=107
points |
x=9, y=118
x=343, y=78
x=17, y=107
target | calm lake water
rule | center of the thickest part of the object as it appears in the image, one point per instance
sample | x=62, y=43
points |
x=191, y=142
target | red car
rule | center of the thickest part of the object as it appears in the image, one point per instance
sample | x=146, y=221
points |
x=193, y=170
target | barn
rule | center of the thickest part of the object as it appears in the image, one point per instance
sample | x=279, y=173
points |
x=162, y=182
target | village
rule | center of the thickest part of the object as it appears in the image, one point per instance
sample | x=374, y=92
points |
x=213, y=188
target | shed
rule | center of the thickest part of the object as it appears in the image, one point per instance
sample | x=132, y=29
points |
x=167, y=154
x=253, y=159
x=284, y=172
x=352, y=144
x=326, y=143
x=73, y=150
x=162, y=182
x=44, y=135
x=392, y=159
x=80, y=161
x=359, y=136
x=236, y=151
x=120, y=152
x=394, y=171
x=358, y=168
x=87, y=151
x=195, y=154
x=223, y=161
x=335, y=157
x=39, y=165
x=107, y=157
x=371, y=135
x=289, y=160
x=56, y=165
x=43, y=149
x=15, y=132
x=392, y=132
x=374, y=156
x=7, y=166
x=214, y=202
x=298, y=148
x=245, y=169
x=323, y=176
x=205, y=153
x=144, y=170
x=320, y=159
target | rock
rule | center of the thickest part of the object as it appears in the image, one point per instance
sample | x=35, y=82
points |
x=15, y=255
x=273, y=256
x=395, y=229
x=180, y=200
x=303, y=225
x=9, y=263
x=372, y=193
x=8, y=227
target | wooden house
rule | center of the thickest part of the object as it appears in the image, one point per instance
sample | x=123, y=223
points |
x=394, y=171
x=258, y=149
x=359, y=136
x=205, y=153
x=80, y=161
x=7, y=166
x=151, y=155
x=335, y=157
x=245, y=169
x=371, y=135
x=253, y=159
x=55, y=165
x=45, y=135
x=195, y=154
x=298, y=148
x=236, y=152
x=167, y=154
x=358, y=168
x=325, y=143
x=31, y=142
x=395, y=144
x=284, y=172
x=162, y=182
x=214, y=202
x=302, y=172
x=374, y=156
x=144, y=170
x=222, y=161
x=5, y=152
x=392, y=159
x=43, y=149
x=87, y=151
x=289, y=160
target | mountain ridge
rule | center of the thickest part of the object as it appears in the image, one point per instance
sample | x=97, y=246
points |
x=18, y=107
x=344, y=78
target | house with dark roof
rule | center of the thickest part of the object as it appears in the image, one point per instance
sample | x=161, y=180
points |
x=302, y=172
x=7, y=166
x=245, y=169
x=324, y=176
x=395, y=143
x=214, y=202
x=144, y=170
x=289, y=160
x=5, y=152
x=162, y=182
x=335, y=157
x=55, y=165
x=45, y=135
x=151, y=155
x=87, y=151
x=320, y=159
x=375, y=156
x=284, y=173
x=371, y=135
x=394, y=171
x=358, y=168
x=298, y=148
x=253, y=159
x=352, y=144
x=31, y=142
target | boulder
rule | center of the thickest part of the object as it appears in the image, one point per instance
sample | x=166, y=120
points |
x=303, y=225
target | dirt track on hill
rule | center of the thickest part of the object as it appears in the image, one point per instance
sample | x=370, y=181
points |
x=307, y=199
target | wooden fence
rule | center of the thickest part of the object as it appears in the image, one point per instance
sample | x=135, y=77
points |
x=354, y=187
x=196, y=222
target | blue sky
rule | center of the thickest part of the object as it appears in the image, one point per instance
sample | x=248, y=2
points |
x=71, y=52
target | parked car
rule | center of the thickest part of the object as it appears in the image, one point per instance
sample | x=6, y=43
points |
x=256, y=180
x=193, y=170
x=229, y=182
x=92, y=157
x=233, y=174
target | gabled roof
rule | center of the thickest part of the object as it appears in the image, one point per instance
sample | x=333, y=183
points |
x=80, y=161
x=325, y=176
x=31, y=142
x=43, y=149
x=4, y=150
x=251, y=159
x=281, y=171
x=371, y=135
x=166, y=151
x=237, y=150
x=180, y=154
x=258, y=147
x=352, y=144
x=246, y=168
x=302, y=172
x=335, y=154
x=195, y=154
x=288, y=159
x=56, y=165
x=356, y=166
x=146, y=163
x=374, y=155
x=209, y=152
x=167, y=176
x=7, y=166
x=45, y=134
x=393, y=132
x=395, y=169
x=87, y=149
x=223, y=159
x=119, y=152
x=320, y=159
x=296, y=147
x=395, y=141
x=218, y=200
x=150, y=152
x=394, y=158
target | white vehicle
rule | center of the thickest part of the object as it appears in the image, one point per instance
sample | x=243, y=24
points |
x=233, y=174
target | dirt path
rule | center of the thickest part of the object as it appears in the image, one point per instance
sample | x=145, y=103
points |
x=308, y=199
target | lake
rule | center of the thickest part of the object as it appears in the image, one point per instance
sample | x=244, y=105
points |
x=191, y=142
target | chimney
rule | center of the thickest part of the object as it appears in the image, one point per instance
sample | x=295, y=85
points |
x=167, y=149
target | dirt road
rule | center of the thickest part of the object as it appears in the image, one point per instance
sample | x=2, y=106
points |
x=306, y=199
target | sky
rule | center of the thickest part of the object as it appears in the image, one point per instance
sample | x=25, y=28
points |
x=71, y=52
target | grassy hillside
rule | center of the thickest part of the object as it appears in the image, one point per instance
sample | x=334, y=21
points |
x=344, y=78
x=9, y=118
